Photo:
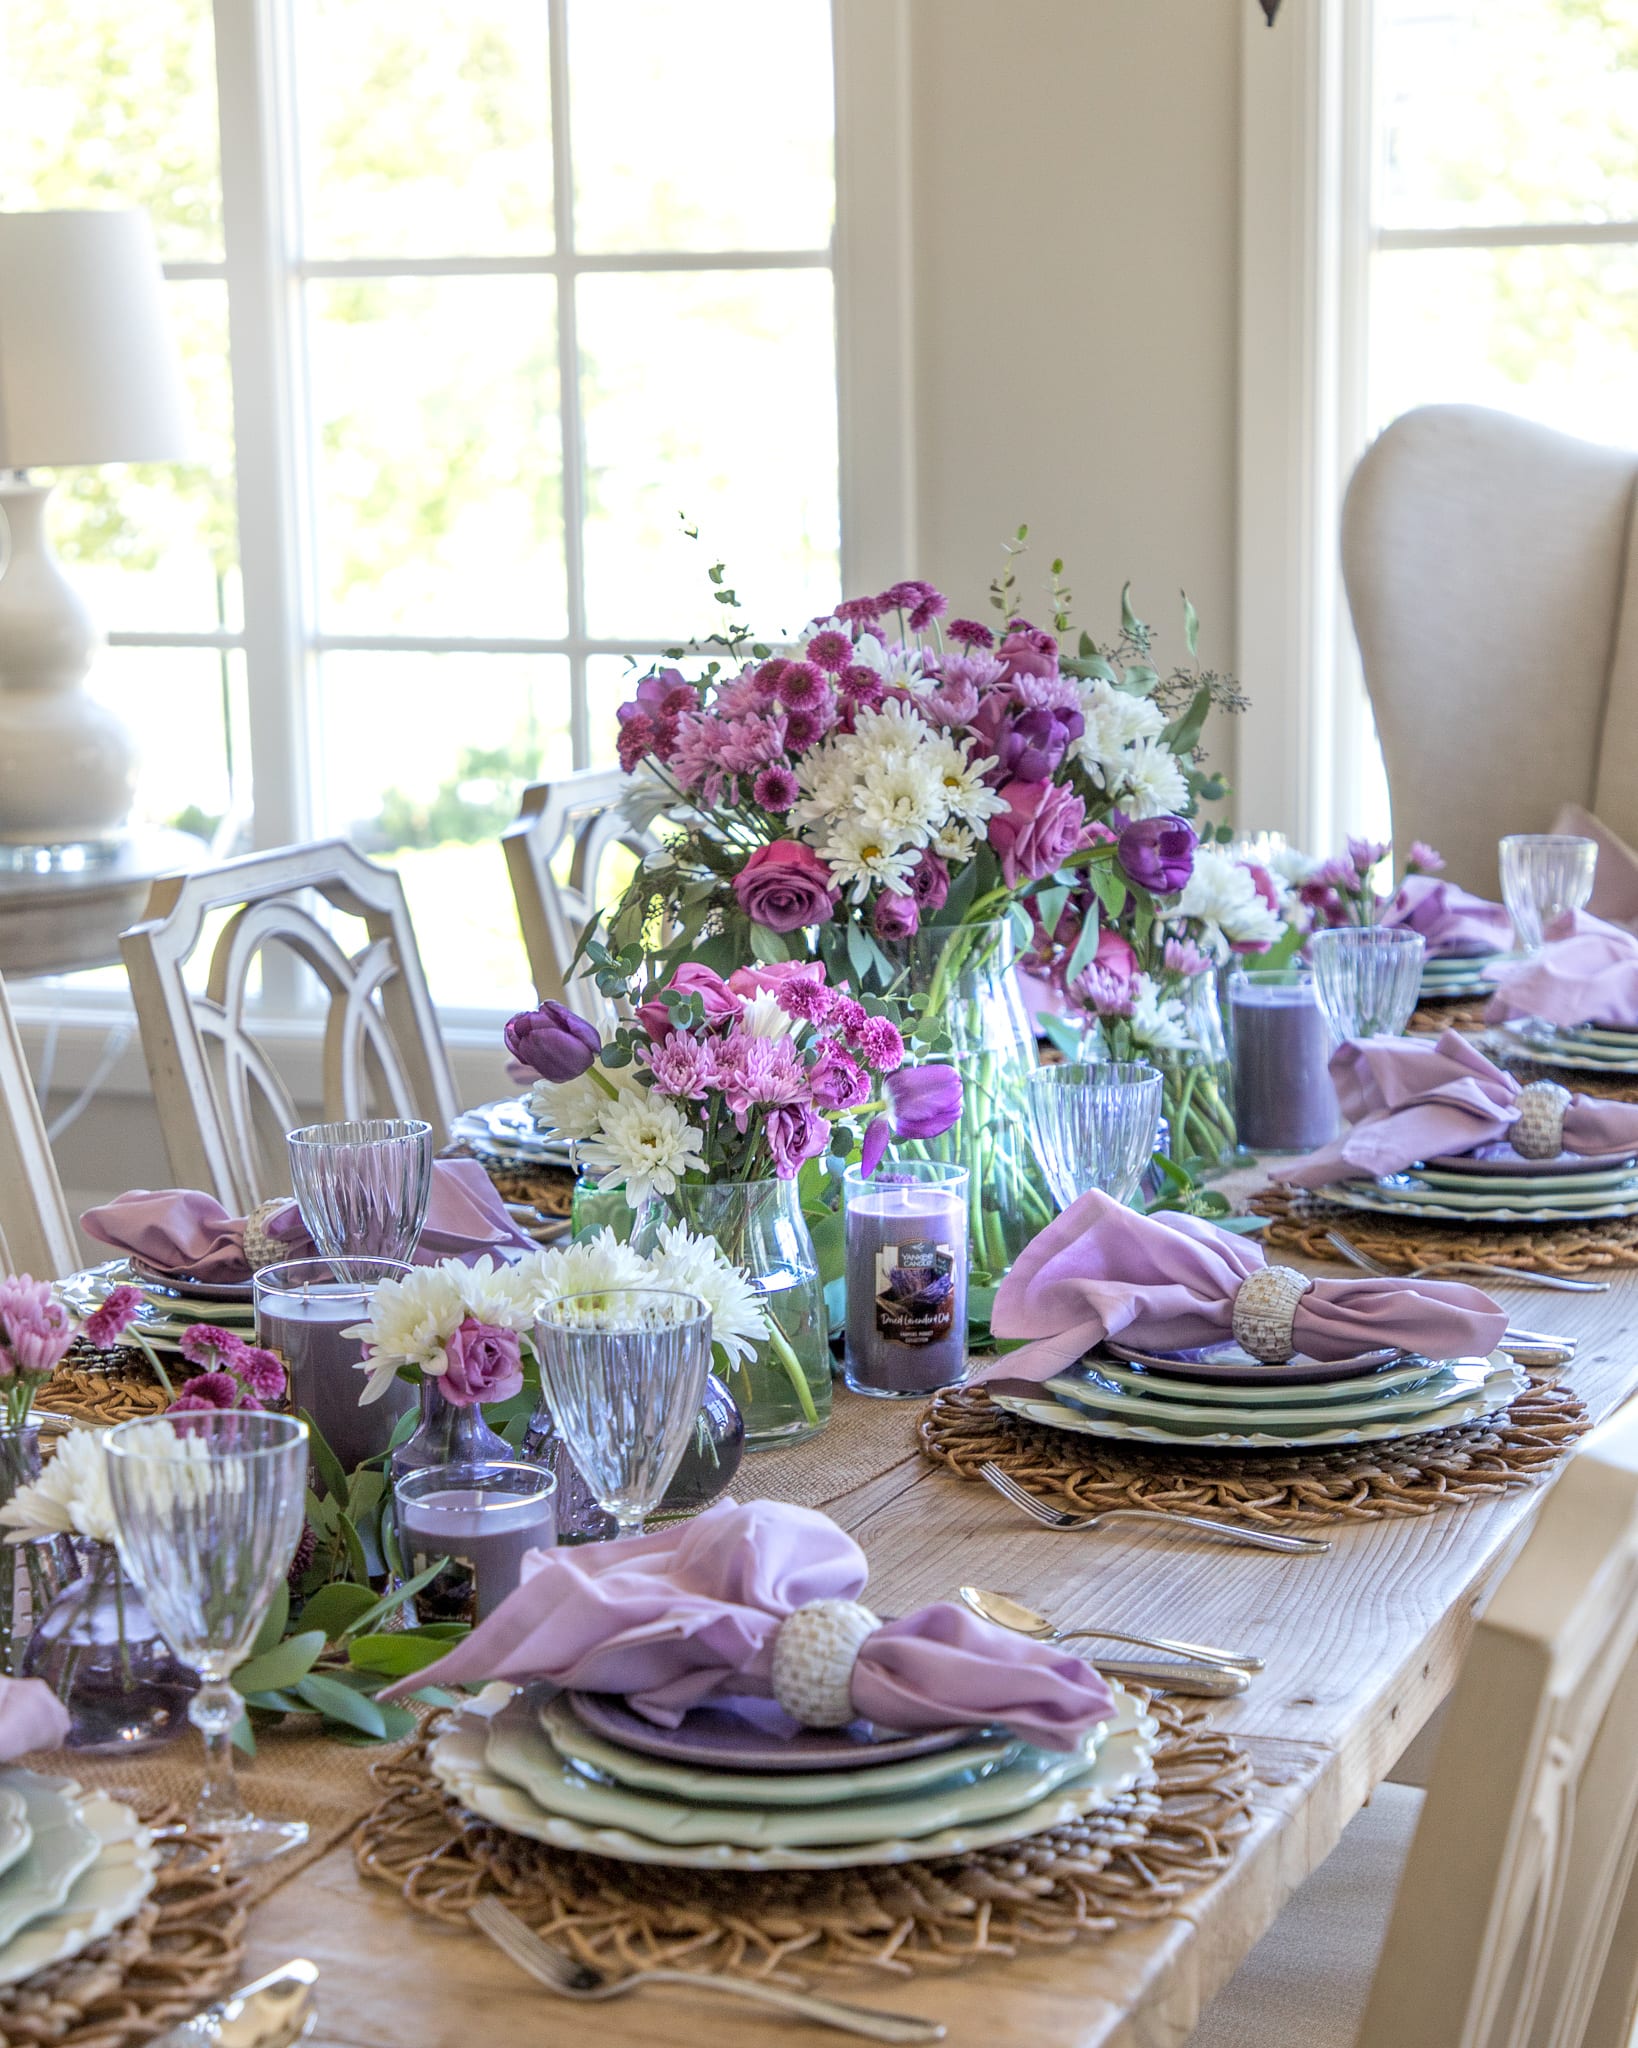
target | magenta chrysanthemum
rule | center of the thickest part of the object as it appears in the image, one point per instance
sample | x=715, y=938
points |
x=810, y=1002
x=776, y=789
x=860, y=684
x=801, y=683
x=808, y=724
x=830, y=651
x=861, y=611
x=931, y=605
x=879, y=1043
x=969, y=633
x=767, y=676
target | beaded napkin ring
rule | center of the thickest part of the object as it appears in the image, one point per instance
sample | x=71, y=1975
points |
x=1265, y=1307
x=261, y=1249
x=1539, y=1131
x=815, y=1650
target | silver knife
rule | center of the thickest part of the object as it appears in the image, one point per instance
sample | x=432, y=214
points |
x=274, y=2012
x=1202, y=1681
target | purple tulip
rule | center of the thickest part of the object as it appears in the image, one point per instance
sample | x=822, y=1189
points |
x=922, y=1102
x=559, y=1045
x=1157, y=853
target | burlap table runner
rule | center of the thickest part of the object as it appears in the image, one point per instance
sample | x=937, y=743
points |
x=963, y=1430
x=863, y=1439
x=1299, y=1219
x=1136, y=1860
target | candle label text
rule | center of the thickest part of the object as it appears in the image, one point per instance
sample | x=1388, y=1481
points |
x=915, y=1291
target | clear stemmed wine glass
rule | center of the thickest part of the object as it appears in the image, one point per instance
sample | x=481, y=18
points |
x=1367, y=978
x=624, y=1372
x=1544, y=874
x=1094, y=1126
x=208, y=1508
x=362, y=1186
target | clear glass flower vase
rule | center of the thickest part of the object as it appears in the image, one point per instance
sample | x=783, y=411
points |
x=1197, y=1079
x=102, y=1654
x=783, y=1389
x=448, y=1434
x=31, y=1574
x=966, y=974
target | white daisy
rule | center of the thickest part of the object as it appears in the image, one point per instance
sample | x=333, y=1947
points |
x=902, y=799
x=70, y=1497
x=1153, y=780
x=954, y=842
x=1221, y=894
x=1116, y=721
x=697, y=1265
x=967, y=795
x=860, y=854
x=645, y=1142
x=1157, y=1021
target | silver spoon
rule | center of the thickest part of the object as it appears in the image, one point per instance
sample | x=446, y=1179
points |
x=274, y=2012
x=1007, y=1612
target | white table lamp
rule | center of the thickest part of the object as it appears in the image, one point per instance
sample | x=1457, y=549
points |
x=89, y=373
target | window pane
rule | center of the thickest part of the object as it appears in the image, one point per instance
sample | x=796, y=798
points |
x=1548, y=333
x=439, y=469
x=186, y=708
x=155, y=546
x=425, y=127
x=1506, y=110
x=711, y=395
x=707, y=126
x=423, y=759
x=113, y=103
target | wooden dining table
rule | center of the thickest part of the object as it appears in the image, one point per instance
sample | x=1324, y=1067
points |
x=1361, y=1645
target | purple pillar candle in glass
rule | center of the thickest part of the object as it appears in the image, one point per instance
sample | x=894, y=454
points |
x=1283, y=1098
x=303, y=1310
x=482, y=1519
x=906, y=1230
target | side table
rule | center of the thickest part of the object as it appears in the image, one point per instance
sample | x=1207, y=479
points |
x=64, y=920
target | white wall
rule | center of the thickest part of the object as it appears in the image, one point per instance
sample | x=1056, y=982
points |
x=1075, y=220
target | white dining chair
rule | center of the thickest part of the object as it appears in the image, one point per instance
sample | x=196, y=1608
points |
x=1492, y=573
x=1500, y=1909
x=578, y=813
x=36, y=1230
x=224, y=1105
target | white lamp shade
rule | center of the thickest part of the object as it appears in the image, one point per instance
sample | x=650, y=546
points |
x=89, y=369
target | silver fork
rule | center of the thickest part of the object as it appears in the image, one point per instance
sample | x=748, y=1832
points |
x=1559, y=1283
x=571, y=1978
x=1234, y=1532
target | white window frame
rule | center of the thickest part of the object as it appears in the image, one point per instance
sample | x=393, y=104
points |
x=873, y=279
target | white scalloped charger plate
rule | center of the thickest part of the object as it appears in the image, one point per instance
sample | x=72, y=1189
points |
x=1363, y=1195
x=105, y=1894
x=1452, y=1382
x=1307, y=1393
x=1553, y=1049
x=1503, y=1385
x=570, y=1736
x=520, y=1751
x=16, y=1830
x=457, y=1759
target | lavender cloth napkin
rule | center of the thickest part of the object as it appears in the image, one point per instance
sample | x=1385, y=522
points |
x=1100, y=1270
x=1455, y=925
x=31, y=1717
x=1586, y=973
x=690, y=1613
x=180, y=1232
x=1413, y=1098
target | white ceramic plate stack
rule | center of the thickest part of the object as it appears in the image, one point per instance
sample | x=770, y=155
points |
x=1464, y=975
x=73, y=1866
x=703, y=1798
x=1495, y=1189
x=170, y=1307
x=1220, y=1398
x=1588, y=1048
x=505, y=1133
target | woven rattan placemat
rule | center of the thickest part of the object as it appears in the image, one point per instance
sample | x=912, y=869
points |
x=1133, y=1861
x=1452, y=1013
x=1300, y=1218
x=181, y=1950
x=550, y=1189
x=101, y=1387
x=963, y=1430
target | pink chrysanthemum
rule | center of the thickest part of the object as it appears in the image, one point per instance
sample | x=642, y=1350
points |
x=808, y=723
x=683, y=1067
x=106, y=1325
x=776, y=789
x=209, y=1390
x=969, y=633
x=848, y=1016
x=262, y=1372
x=767, y=676
x=810, y=1002
x=931, y=605
x=209, y=1346
x=830, y=651
x=801, y=683
x=759, y=1073
x=860, y=684
x=879, y=1043
x=861, y=611
x=636, y=739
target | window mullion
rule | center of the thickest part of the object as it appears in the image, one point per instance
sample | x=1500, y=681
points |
x=568, y=369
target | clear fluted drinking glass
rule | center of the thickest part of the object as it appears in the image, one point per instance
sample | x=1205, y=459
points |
x=362, y=1186
x=624, y=1373
x=1094, y=1126
x=1367, y=978
x=208, y=1509
x=1544, y=874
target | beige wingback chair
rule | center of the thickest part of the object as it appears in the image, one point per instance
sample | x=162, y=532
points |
x=1492, y=571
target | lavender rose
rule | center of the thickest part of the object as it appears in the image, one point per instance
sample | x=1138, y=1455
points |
x=559, y=1045
x=1157, y=853
x=785, y=886
x=485, y=1364
x=896, y=916
x=930, y=881
x=1043, y=824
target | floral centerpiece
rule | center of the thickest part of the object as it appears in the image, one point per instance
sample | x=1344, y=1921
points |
x=882, y=797
x=706, y=1107
x=1343, y=890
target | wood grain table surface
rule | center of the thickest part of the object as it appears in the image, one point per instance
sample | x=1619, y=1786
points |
x=1361, y=1646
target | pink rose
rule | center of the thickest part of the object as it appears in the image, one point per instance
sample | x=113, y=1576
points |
x=747, y=982
x=1116, y=958
x=1027, y=651
x=721, y=1003
x=485, y=1364
x=1043, y=824
x=785, y=886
